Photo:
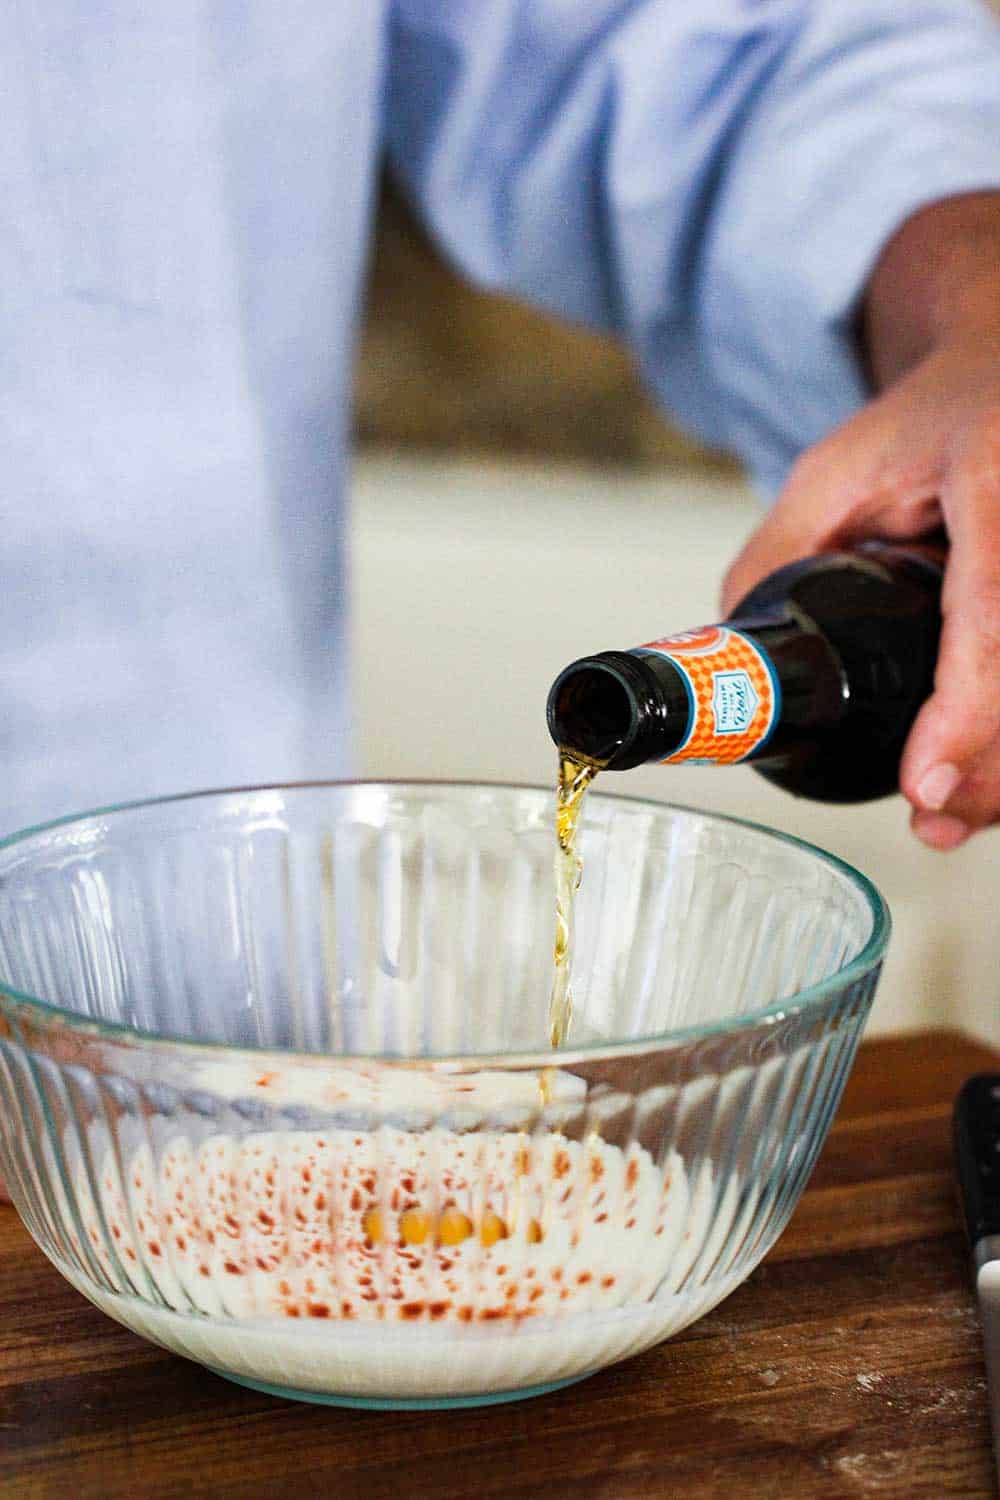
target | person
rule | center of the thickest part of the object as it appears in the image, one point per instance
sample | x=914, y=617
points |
x=789, y=208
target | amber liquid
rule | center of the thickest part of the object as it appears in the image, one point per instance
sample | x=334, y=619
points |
x=575, y=777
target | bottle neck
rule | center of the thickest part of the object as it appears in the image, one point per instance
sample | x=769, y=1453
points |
x=618, y=709
x=722, y=694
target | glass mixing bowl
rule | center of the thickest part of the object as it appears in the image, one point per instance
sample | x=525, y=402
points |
x=275, y=1089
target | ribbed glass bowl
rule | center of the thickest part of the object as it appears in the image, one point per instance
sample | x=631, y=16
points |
x=275, y=1089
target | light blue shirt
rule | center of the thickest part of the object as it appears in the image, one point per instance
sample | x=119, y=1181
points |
x=185, y=198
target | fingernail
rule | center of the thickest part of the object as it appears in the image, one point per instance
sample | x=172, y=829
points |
x=937, y=786
x=939, y=831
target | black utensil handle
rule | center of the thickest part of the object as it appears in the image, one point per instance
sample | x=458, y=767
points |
x=977, y=1154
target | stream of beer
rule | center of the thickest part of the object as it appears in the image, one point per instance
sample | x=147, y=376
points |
x=575, y=777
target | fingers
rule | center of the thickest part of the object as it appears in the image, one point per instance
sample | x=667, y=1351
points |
x=879, y=475
x=912, y=459
x=951, y=765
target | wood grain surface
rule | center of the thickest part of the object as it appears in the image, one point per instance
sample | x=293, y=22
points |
x=848, y=1365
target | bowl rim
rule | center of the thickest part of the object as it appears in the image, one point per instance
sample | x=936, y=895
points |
x=807, y=1002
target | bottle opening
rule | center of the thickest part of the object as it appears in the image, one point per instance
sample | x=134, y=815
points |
x=591, y=712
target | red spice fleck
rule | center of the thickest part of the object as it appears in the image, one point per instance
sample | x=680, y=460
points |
x=211, y=1236
x=130, y=1252
x=355, y=1200
x=394, y=1200
x=629, y=1223
x=412, y=1309
x=601, y=1218
x=311, y=1287
x=511, y=1293
x=317, y=1247
x=320, y=1202
x=490, y=1314
x=154, y=1248
x=566, y=1195
x=232, y=1225
x=501, y=1270
x=369, y=1296
x=560, y=1165
x=358, y=1141
x=557, y=1274
x=232, y=1268
x=396, y=1294
x=136, y=1182
x=116, y=1231
x=307, y=1175
x=318, y=1310
x=347, y=1310
x=438, y=1309
x=632, y=1173
x=607, y=1281
x=660, y=1230
x=291, y=1311
x=465, y=1314
x=181, y=1242
x=204, y=1271
x=265, y=1080
x=300, y=1217
x=168, y=1217
x=596, y=1169
x=265, y=1218
x=407, y=1182
x=445, y=1263
x=563, y=1295
x=583, y=1278
x=284, y=1289
x=368, y=1183
x=364, y=1281
x=262, y=1263
x=536, y=1292
x=269, y=1179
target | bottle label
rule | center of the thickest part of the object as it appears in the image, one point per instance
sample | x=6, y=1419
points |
x=734, y=697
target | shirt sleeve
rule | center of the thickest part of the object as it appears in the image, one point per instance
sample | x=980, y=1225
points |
x=712, y=181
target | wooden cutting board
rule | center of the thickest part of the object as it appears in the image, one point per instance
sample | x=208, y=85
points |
x=848, y=1365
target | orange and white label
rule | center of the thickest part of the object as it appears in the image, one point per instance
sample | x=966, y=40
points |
x=734, y=697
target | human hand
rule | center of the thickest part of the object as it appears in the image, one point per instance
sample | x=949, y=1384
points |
x=926, y=452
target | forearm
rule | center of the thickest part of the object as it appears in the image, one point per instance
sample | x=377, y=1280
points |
x=939, y=275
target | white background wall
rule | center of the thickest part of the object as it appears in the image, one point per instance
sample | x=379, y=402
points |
x=476, y=582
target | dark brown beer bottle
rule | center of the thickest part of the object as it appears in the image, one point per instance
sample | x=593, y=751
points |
x=815, y=679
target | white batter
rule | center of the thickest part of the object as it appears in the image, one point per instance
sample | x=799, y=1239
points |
x=386, y=1262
